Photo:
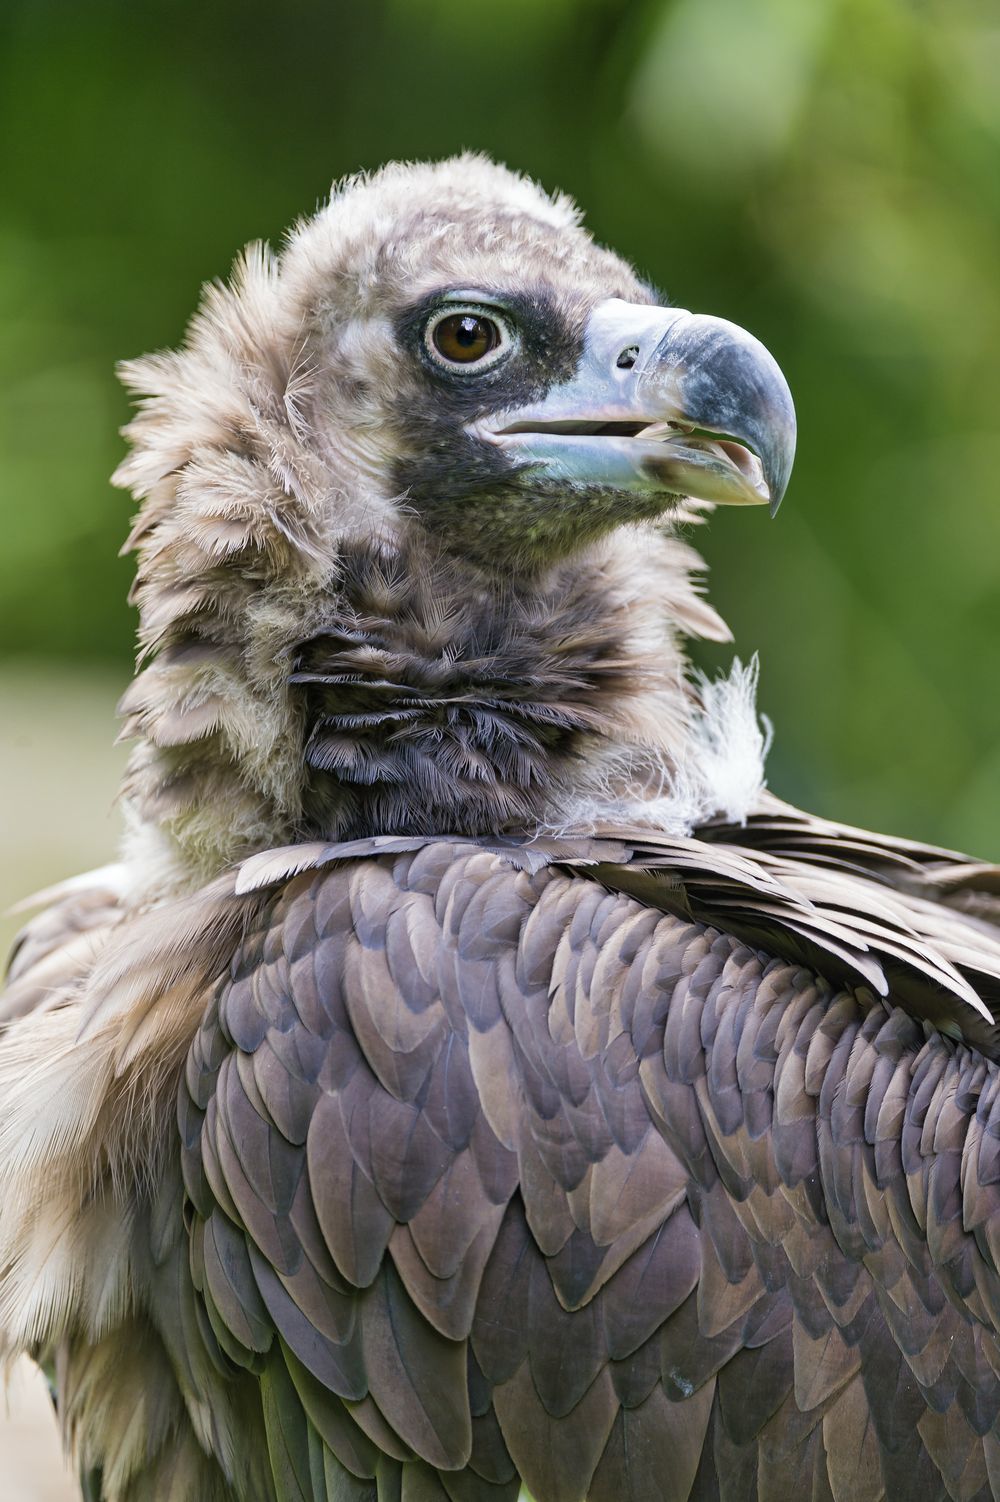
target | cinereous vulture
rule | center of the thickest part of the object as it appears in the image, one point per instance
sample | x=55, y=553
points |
x=471, y=1076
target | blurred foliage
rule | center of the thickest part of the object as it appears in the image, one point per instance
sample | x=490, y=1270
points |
x=823, y=171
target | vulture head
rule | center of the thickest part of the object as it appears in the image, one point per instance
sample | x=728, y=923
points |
x=408, y=552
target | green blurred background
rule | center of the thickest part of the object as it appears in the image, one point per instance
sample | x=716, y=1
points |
x=826, y=172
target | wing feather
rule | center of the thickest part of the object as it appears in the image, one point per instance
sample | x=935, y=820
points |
x=636, y=1165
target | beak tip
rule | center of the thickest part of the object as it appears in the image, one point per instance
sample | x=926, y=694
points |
x=778, y=491
x=780, y=459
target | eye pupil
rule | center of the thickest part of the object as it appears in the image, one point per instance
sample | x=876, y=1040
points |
x=464, y=338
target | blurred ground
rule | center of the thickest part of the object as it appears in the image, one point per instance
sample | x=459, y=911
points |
x=31, y=1464
x=58, y=776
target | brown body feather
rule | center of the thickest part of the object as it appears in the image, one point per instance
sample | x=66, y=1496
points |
x=496, y=1171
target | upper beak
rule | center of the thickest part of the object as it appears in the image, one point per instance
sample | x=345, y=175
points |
x=663, y=400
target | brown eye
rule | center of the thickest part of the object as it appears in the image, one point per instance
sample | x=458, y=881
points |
x=465, y=338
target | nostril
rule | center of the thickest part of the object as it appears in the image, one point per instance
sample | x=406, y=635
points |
x=628, y=357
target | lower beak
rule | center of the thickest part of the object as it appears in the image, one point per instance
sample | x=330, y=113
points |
x=663, y=401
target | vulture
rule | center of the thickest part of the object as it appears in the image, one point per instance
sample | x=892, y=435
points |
x=471, y=1077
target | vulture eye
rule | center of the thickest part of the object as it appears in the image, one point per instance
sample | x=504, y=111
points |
x=465, y=337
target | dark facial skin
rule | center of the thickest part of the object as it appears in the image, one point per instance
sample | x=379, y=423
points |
x=467, y=491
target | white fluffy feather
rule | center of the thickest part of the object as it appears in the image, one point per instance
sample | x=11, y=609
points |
x=723, y=772
x=716, y=768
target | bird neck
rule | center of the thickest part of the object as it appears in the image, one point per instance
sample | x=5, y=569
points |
x=412, y=694
x=441, y=699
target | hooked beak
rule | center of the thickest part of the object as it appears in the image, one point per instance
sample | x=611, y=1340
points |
x=663, y=400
